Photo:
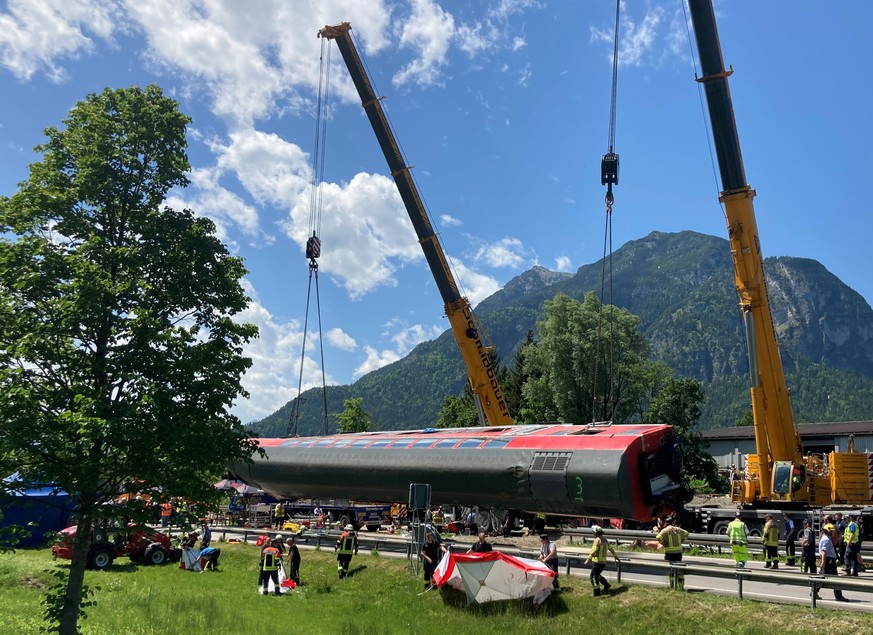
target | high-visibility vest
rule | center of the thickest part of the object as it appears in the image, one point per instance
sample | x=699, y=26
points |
x=771, y=534
x=346, y=543
x=598, y=552
x=270, y=559
x=737, y=532
x=671, y=538
x=852, y=533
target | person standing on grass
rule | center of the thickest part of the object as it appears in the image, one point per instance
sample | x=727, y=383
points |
x=293, y=558
x=431, y=553
x=549, y=556
x=269, y=569
x=738, y=534
x=598, y=557
x=807, y=549
x=828, y=560
x=345, y=546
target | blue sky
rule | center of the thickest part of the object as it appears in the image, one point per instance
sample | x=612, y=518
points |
x=502, y=108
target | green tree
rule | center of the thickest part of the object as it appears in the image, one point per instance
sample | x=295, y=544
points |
x=747, y=419
x=353, y=418
x=678, y=404
x=459, y=412
x=577, y=343
x=120, y=355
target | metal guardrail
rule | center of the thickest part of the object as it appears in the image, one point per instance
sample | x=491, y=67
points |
x=625, y=564
x=710, y=541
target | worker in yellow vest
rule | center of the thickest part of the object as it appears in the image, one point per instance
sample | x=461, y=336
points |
x=738, y=534
x=671, y=538
x=598, y=557
x=852, y=538
x=279, y=515
x=771, y=543
x=345, y=546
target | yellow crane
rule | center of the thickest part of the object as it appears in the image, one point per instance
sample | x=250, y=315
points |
x=476, y=353
x=779, y=471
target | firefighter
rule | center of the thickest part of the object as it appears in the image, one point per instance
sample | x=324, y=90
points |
x=671, y=538
x=269, y=569
x=598, y=557
x=739, y=537
x=771, y=542
x=346, y=545
x=279, y=515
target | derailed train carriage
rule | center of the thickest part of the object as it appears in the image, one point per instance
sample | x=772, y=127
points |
x=600, y=470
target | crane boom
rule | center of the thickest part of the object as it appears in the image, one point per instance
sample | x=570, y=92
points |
x=476, y=354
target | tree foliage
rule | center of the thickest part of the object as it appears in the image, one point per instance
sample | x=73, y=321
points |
x=678, y=404
x=119, y=354
x=353, y=418
x=587, y=364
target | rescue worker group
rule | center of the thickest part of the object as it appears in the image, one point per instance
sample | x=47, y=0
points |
x=838, y=543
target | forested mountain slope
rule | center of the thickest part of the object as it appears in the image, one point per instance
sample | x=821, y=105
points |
x=681, y=287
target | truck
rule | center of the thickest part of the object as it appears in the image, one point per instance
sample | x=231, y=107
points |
x=478, y=355
x=138, y=543
x=779, y=476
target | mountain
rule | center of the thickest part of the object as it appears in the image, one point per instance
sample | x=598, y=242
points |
x=681, y=285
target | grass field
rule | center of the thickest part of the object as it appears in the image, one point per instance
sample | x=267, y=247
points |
x=381, y=597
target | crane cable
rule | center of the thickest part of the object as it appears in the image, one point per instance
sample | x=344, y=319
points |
x=608, y=177
x=313, y=243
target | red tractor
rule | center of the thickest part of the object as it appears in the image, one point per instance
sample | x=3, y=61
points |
x=137, y=543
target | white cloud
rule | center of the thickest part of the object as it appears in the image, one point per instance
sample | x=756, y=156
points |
x=365, y=229
x=450, y=221
x=253, y=60
x=636, y=39
x=507, y=252
x=429, y=31
x=34, y=36
x=340, y=339
x=476, y=286
x=272, y=379
x=563, y=263
x=375, y=359
x=405, y=338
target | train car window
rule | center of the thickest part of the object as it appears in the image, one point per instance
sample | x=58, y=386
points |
x=423, y=444
x=446, y=443
x=496, y=443
x=341, y=443
x=470, y=443
x=402, y=443
x=323, y=443
x=382, y=443
x=291, y=443
x=306, y=443
x=361, y=443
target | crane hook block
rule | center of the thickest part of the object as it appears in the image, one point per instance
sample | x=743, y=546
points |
x=313, y=247
x=609, y=169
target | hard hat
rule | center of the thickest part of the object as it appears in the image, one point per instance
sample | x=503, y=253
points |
x=544, y=536
x=279, y=537
x=668, y=520
x=350, y=528
x=597, y=529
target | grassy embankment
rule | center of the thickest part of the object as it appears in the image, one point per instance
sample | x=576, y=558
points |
x=380, y=598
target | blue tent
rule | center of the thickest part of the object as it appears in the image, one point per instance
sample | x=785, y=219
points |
x=48, y=508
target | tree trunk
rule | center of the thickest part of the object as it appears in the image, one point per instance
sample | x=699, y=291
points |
x=69, y=618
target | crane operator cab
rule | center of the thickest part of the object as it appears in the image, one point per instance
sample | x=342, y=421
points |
x=787, y=479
